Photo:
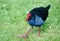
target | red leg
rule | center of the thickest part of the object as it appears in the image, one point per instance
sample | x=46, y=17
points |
x=26, y=34
x=29, y=31
x=39, y=31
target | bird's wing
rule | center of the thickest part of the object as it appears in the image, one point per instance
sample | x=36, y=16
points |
x=38, y=20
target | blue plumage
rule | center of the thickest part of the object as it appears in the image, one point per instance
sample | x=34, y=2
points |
x=37, y=21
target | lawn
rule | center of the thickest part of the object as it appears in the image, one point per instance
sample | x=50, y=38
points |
x=13, y=20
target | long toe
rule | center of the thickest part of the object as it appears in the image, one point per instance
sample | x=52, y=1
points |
x=23, y=36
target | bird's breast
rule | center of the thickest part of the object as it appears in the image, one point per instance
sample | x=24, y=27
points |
x=36, y=21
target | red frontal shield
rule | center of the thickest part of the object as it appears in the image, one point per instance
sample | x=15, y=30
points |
x=28, y=16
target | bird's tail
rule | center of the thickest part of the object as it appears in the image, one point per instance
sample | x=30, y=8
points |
x=47, y=8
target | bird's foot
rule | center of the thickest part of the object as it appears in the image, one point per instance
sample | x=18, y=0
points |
x=23, y=36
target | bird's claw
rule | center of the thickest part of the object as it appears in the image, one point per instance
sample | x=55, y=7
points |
x=23, y=36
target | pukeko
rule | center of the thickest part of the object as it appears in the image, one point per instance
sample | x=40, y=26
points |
x=37, y=17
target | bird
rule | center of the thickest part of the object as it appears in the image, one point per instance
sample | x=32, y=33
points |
x=36, y=17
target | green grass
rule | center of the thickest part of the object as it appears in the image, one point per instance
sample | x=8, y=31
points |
x=12, y=20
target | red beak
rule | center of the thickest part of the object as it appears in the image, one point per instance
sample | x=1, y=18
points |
x=28, y=16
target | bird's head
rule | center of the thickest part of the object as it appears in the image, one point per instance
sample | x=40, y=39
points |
x=28, y=17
